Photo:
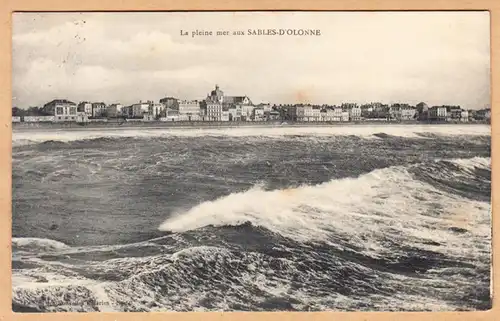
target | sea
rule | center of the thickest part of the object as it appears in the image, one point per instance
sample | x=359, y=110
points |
x=340, y=218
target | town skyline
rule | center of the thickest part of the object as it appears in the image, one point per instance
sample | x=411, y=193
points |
x=441, y=58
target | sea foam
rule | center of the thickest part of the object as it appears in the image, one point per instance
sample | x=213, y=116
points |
x=21, y=137
x=385, y=204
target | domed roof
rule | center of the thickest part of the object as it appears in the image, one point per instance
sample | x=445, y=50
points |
x=217, y=92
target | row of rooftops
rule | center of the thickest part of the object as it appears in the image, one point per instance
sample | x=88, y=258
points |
x=232, y=100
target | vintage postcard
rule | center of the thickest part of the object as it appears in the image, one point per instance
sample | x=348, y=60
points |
x=251, y=161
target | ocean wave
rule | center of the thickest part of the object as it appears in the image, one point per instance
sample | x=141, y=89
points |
x=472, y=163
x=385, y=206
x=20, y=138
x=209, y=278
x=37, y=244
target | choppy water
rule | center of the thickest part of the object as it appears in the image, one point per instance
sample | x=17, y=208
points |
x=343, y=218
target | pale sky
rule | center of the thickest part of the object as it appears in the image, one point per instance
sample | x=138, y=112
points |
x=435, y=57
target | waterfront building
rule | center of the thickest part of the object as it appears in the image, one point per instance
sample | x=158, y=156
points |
x=272, y=115
x=290, y=112
x=126, y=111
x=114, y=110
x=235, y=113
x=190, y=109
x=170, y=102
x=218, y=107
x=337, y=113
x=408, y=113
x=212, y=105
x=327, y=114
x=213, y=111
x=82, y=117
x=61, y=110
x=236, y=105
x=483, y=114
x=98, y=109
x=353, y=109
x=225, y=113
x=155, y=110
x=265, y=107
x=316, y=113
x=139, y=109
x=422, y=111
x=402, y=112
x=237, y=100
x=85, y=107
x=437, y=113
x=216, y=95
x=381, y=112
x=304, y=113
x=454, y=113
x=247, y=112
x=366, y=111
x=171, y=112
x=258, y=114
x=464, y=115
x=345, y=115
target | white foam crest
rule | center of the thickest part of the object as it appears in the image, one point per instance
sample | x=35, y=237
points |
x=383, y=204
x=33, y=243
x=22, y=137
x=471, y=163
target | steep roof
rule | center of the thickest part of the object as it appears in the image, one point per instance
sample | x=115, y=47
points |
x=60, y=101
x=235, y=99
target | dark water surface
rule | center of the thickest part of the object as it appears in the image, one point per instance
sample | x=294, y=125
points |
x=227, y=222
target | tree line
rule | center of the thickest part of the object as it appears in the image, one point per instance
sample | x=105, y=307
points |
x=32, y=111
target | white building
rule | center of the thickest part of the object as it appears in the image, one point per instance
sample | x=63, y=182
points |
x=61, y=109
x=354, y=113
x=82, y=117
x=247, y=112
x=235, y=113
x=337, y=114
x=408, y=113
x=316, y=113
x=85, y=107
x=213, y=111
x=139, y=109
x=155, y=110
x=225, y=114
x=328, y=114
x=437, y=113
x=464, y=116
x=345, y=115
x=189, y=107
x=258, y=114
x=304, y=113
x=16, y=119
x=402, y=112
x=218, y=107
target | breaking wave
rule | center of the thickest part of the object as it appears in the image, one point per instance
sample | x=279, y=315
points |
x=36, y=244
x=368, y=212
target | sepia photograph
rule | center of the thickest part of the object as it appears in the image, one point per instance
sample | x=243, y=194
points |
x=251, y=161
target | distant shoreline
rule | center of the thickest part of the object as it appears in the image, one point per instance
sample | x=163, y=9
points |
x=222, y=125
